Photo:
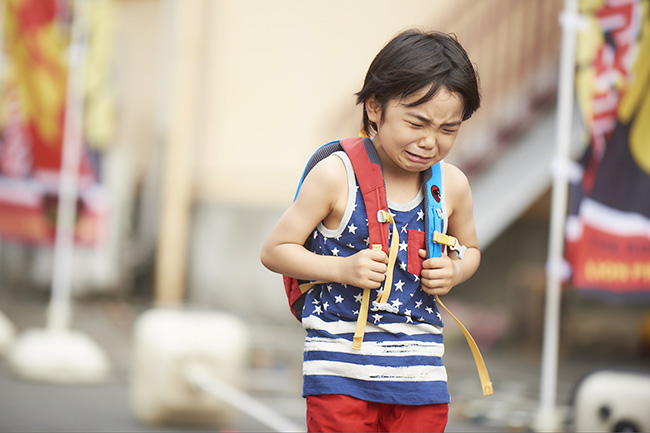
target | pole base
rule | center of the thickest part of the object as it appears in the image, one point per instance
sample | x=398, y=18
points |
x=62, y=357
x=167, y=342
x=549, y=420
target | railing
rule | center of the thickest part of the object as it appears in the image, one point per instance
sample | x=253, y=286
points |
x=515, y=45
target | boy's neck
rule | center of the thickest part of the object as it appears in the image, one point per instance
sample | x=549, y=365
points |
x=401, y=186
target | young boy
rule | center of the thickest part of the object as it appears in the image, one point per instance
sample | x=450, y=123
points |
x=417, y=92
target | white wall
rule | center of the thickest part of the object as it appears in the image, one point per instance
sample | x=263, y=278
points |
x=280, y=81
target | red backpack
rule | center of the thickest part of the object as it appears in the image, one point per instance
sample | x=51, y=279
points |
x=367, y=169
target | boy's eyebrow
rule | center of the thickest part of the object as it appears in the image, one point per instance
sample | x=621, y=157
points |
x=428, y=121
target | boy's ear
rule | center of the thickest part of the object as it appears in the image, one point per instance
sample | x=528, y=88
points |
x=373, y=108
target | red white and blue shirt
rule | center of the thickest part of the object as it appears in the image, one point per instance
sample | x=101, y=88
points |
x=400, y=361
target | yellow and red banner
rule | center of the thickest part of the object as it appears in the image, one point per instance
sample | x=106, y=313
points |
x=608, y=226
x=32, y=115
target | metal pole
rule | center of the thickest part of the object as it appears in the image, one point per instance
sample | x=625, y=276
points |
x=58, y=317
x=199, y=376
x=547, y=418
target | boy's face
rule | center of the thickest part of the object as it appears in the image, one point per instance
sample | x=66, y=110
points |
x=415, y=138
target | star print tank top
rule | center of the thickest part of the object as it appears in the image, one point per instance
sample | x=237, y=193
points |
x=400, y=361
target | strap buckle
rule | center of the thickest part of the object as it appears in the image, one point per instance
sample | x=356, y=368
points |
x=451, y=242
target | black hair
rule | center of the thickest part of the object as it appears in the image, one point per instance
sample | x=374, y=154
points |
x=414, y=60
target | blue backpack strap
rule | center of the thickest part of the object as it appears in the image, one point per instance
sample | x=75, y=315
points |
x=321, y=153
x=434, y=221
x=434, y=216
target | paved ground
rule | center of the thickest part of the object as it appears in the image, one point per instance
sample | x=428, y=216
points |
x=273, y=378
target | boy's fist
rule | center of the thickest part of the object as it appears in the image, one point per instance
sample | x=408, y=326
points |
x=365, y=269
x=438, y=274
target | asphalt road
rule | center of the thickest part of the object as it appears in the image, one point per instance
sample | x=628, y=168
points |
x=273, y=379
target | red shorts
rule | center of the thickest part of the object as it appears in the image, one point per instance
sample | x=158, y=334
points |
x=342, y=413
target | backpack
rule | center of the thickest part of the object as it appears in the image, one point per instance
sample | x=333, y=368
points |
x=367, y=169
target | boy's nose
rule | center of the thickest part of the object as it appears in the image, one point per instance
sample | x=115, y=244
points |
x=428, y=141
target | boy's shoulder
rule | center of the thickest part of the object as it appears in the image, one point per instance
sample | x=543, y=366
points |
x=331, y=167
x=329, y=174
x=455, y=177
x=457, y=189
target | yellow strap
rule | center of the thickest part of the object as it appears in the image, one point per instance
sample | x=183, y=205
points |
x=486, y=383
x=361, y=320
x=304, y=287
x=444, y=239
x=392, y=258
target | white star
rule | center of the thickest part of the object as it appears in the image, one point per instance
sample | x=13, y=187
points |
x=420, y=215
x=358, y=297
x=329, y=287
x=409, y=319
x=429, y=310
x=377, y=317
x=402, y=265
x=439, y=316
x=315, y=301
x=396, y=303
x=352, y=228
x=405, y=228
x=325, y=305
x=339, y=299
x=367, y=241
x=398, y=285
x=335, y=251
x=317, y=310
x=407, y=312
x=403, y=245
x=315, y=234
x=418, y=304
x=350, y=245
x=337, y=237
x=416, y=278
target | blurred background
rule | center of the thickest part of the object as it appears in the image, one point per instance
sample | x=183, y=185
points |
x=195, y=120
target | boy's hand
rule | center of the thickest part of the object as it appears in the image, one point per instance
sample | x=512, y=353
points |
x=438, y=274
x=365, y=269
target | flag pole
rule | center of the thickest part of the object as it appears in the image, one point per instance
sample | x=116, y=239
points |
x=548, y=418
x=7, y=329
x=57, y=353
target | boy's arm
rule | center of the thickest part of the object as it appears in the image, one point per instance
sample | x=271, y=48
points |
x=441, y=274
x=322, y=197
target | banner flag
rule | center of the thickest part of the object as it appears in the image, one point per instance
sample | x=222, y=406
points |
x=32, y=112
x=608, y=226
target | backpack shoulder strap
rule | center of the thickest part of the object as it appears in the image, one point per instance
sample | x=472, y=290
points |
x=435, y=239
x=292, y=286
x=367, y=169
x=321, y=153
x=434, y=215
